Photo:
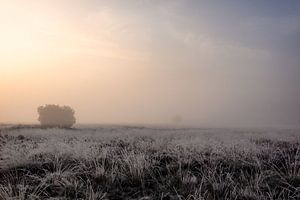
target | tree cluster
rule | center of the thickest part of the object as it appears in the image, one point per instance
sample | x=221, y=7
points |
x=56, y=116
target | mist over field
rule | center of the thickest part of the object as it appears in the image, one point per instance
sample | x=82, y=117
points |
x=150, y=100
x=214, y=64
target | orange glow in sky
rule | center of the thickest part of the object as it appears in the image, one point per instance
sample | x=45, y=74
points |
x=148, y=61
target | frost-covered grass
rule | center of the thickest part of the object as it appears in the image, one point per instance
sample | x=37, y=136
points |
x=118, y=162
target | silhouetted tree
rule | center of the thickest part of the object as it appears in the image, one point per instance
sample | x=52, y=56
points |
x=56, y=116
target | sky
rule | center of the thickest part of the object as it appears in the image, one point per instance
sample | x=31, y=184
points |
x=224, y=63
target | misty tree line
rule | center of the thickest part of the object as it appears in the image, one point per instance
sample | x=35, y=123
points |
x=51, y=115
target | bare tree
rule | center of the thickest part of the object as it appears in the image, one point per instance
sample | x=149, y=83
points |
x=56, y=116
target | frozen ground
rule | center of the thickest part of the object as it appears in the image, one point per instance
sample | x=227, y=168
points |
x=136, y=162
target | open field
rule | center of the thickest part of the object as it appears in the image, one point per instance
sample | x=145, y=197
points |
x=126, y=162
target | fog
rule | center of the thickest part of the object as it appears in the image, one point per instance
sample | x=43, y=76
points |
x=194, y=63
